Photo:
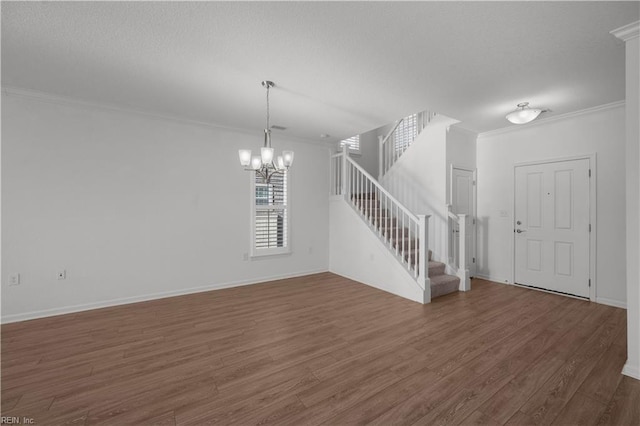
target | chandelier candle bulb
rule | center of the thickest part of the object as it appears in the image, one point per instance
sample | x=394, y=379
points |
x=280, y=163
x=256, y=163
x=245, y=157
x=287, y=156
x=267, y=155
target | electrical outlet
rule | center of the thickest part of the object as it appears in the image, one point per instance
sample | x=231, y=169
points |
x=14, y=279
x=62, y=274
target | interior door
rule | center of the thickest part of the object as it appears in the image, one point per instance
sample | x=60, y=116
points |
x=552, y=226
x=462, y=202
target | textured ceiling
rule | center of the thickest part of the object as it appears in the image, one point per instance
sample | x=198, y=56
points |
x=340, y=68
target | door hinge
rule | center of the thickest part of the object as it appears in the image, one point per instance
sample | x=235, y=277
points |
x=589, y=282
x=589, y=227
x=474, y=260
x=589, y=172
x=474, y=221
x=474, y=183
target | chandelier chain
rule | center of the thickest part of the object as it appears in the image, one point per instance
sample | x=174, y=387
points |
x=267, y=107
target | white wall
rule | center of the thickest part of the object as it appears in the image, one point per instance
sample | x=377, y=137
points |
x=418, y=180
x=368, y=157
x=600, y=131
x=632, y=367
x=136, y=207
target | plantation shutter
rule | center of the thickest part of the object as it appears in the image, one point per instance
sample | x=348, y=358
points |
x=270, y=227
x=406, y=132
x=353, y=143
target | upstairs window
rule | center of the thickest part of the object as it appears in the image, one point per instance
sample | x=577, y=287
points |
x=353, y=143
x=270, y=233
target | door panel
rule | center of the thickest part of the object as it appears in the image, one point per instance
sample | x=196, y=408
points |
x=552, y=226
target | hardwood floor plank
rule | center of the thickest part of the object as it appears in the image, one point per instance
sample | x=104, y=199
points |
x=478, y=418
x=550, y=399
x=508, y=400
x=580, y=410
x=606, y=376
x=624, y=407
x=375, y=406
x=323, y=349
x=339, y=399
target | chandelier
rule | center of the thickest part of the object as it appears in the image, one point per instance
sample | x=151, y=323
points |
x=265, y=164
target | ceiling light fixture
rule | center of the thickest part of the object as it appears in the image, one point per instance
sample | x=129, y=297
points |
x=266, y=165
x=523, y=114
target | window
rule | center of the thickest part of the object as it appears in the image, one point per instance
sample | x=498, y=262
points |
x=353, y=143
x=270, y=215
x=406, y=132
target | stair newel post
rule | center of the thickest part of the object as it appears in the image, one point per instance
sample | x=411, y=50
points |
x=450, y=235
x=345, y=171
x=423, y=256
x=463, y=272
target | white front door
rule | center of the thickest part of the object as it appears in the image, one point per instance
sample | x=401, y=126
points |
x=551, y=226
x=462, y=202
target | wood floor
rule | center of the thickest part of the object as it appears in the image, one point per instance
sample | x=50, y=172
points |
x=325, y=350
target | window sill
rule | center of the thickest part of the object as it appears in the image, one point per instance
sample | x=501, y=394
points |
x=267, y=253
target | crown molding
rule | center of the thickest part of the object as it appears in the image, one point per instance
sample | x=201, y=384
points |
x=627, y=32
x=535, y=123
x=82, y=103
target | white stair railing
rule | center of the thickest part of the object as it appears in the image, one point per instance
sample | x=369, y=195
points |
x=457, y=227
x=402, y=232
x=399, y=139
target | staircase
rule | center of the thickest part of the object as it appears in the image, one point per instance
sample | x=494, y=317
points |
x=400, y=238
x=377, y=240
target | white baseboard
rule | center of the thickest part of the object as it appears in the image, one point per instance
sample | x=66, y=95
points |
x=631, y=371
x=394, y=291
x=492, y=279
x=601, y=300
x=146, y=297
x=611, y=302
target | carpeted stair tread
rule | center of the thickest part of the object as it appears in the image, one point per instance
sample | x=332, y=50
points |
x=436, y=268
x=444, y=284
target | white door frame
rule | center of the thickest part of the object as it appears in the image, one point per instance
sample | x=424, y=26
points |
x=592, y=218
x=474, y=190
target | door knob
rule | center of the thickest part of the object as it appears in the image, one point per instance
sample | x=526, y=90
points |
x=520, y=231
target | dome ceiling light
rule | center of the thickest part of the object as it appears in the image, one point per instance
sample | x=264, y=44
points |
x=524, y=114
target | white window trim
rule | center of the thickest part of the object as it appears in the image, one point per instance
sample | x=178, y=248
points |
x=256, y=253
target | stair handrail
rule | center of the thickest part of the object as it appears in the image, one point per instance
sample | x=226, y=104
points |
x=381, y=188
x=395, y=126
x=382, y=141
